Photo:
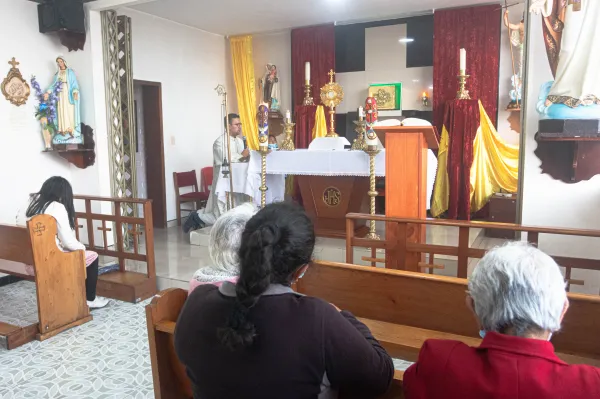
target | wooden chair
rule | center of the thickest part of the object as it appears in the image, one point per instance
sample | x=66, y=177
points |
x=402, y=309
x=184, y=180
x=59, y=279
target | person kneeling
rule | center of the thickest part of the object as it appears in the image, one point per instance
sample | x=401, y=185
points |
x=518, y=296
x=259, y=339
x=55, y=198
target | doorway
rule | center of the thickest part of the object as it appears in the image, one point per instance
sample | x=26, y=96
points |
x=150, y=154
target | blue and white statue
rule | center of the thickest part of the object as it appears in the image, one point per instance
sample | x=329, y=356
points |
x=68, y=106
x=572, y=36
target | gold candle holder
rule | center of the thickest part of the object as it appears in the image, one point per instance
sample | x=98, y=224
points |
x=359, y=143
x=462, y=93
x=372, y=151
x=331, y=132
x=288, y=142
x=263, y=175
x=308, y=100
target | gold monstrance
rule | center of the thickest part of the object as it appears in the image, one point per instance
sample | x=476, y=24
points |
x=332, y=95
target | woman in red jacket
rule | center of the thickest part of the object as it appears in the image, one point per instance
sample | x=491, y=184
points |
x=518, y=296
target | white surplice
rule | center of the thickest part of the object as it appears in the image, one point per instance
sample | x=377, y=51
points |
x=214, y=207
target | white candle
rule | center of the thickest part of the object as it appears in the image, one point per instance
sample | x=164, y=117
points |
x=361, y=112
x=307, y=72
x=288, y=115
x=463, y=60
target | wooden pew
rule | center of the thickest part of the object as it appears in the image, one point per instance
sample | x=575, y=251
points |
x=59, y=279
x=402, y=309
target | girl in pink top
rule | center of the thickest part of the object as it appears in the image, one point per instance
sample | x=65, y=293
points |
x=223, y=245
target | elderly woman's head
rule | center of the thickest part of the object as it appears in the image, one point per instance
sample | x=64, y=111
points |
x=226, y=237
x=517, y=289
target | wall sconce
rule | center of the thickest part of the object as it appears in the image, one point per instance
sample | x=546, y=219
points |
x=425, y=99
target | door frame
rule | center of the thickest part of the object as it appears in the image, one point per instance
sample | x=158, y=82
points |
x=163, y=223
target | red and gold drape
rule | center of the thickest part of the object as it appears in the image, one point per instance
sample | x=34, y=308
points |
x=476, y=29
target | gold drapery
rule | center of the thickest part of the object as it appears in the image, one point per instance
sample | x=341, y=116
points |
x=439, y=202
x=320, y=127
x=243, y=75
x=495, y=164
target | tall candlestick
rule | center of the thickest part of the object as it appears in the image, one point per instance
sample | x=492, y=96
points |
x=463, y=60
x=307, y=73
x=288, y=116
x=361, y=112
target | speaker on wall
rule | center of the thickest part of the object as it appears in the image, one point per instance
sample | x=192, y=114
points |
x=67, y=18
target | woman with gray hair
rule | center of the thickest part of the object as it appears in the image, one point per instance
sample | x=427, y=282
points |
x=223, y=245
x=517, y=294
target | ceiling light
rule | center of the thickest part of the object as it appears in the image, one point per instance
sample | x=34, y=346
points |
x=416, y=80
x=406, y=40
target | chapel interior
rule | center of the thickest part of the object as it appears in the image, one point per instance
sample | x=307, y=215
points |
x=416, y=135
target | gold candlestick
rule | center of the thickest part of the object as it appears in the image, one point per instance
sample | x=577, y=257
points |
x=263, y=175
x=308, y=100
x=288, y=142
x=359, y=142
x=372, y=151
x=462, y=93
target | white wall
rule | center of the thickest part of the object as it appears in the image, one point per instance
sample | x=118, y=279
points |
x=275, y=48
x=23, y=166
x=189, y=63
x=506, y=71
x=385, y=63
x=549, y=202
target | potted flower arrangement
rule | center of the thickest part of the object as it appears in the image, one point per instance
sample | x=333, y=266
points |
x=45, y=112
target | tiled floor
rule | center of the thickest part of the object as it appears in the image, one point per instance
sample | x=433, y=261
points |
x=105, y=358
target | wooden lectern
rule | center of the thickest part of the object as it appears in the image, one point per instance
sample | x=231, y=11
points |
x=406, y=185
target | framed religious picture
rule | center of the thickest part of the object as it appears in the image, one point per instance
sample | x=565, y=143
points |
x=388, y=95
x=14, y=88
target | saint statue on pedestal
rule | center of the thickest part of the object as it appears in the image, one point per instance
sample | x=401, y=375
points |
x=572, y=37
x=68, y=105
x=270, y=88
x=517, y=38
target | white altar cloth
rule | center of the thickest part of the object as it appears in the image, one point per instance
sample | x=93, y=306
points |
x=318, y=163
x=249, y=184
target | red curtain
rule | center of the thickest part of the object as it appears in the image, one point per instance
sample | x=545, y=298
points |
x=315, y=44
x=477, y=30
x=461, y=119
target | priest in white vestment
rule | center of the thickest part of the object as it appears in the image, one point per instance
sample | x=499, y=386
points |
x=214, y=207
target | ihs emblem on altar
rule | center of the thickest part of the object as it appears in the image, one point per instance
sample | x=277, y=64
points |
x=332, y=95
x=332, y=196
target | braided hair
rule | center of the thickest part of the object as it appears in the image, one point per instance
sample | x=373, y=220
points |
x=276, y=242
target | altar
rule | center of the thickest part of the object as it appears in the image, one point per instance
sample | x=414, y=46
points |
x=332, y=183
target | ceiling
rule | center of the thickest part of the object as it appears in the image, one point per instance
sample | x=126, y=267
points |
x=232, y=17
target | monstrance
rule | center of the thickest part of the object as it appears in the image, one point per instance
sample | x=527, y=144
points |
x=332, y=95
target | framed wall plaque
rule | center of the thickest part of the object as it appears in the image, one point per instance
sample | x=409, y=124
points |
x=14, y=88
x=388, y=95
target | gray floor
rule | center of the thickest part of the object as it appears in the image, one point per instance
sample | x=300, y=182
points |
x=105, y=358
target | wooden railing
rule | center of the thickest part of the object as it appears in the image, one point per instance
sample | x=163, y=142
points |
x=403, y=251
x=127, y=285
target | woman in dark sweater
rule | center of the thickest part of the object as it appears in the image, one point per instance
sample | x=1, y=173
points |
x=259, y=339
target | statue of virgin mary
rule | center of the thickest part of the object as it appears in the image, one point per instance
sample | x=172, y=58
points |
x=68, y=105
x=572, y=37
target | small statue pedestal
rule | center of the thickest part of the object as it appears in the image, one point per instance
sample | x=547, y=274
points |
x=80, y=155
x=569, y=148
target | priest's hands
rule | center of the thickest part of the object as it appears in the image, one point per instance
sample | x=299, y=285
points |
x=246, y=153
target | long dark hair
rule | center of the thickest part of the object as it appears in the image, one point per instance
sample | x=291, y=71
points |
x=55, y=189
x=276, y=242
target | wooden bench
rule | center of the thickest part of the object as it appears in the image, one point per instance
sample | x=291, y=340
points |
x=402, y=251
x=59, y=279
x=402, y=309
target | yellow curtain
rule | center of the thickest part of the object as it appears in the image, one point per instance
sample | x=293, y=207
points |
x=243, y=75
x=320, y=128
x=495, y=164
x=439, y=202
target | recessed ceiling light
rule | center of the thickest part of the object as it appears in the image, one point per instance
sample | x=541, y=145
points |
x=406, y=40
